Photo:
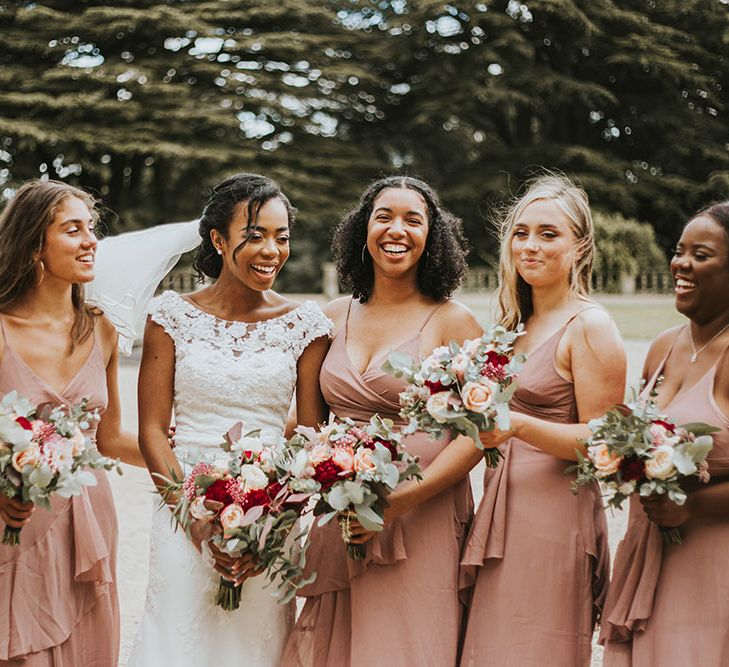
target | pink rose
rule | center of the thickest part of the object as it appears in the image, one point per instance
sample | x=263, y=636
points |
x=343, y=458
x=477, y=396
x=30, y=456
x=606, y=462
x=363, y=460
x=231, y=517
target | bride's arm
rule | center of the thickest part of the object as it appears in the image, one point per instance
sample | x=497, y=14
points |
x=311, y=409
x=155, y=395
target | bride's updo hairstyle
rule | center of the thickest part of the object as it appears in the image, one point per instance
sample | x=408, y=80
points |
x=514, y=294
x=253, y=190
x=23, y=225
x=440, y=269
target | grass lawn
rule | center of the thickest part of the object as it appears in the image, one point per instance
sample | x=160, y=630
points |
x=638, y=316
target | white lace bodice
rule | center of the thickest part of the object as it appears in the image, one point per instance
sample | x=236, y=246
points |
x=233, y=371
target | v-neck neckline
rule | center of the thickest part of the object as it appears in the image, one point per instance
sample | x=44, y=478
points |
x=63, y=394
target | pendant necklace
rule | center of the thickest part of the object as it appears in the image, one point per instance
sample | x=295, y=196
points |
x=694, y=352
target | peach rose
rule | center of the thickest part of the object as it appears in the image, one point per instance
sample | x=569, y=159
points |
x=30, y=456
x=363, y=460
x=604, y=460
x=660, y=465
x=231, y=517
x=478, y=396
x=199, y=511
x=343, y=458
x=78, y=443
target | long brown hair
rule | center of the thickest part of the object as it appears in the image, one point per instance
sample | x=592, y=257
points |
x=23, y=226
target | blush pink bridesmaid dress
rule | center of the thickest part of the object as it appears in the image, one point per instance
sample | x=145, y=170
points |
x=58, y=596
x=536, y=563
x=400, y=606
x=668, y=604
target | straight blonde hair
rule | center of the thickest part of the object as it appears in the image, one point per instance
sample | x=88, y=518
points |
x=514, y=294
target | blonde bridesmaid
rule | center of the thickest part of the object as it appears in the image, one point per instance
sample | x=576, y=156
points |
x=58, y=597
x=536, y=560
x=668, y=604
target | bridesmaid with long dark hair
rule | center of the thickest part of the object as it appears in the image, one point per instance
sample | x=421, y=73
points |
x=536, y=559
x=403, y=255
x=58, y=598
x=668, y=604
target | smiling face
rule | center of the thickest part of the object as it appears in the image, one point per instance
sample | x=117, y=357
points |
x=70, y=243
x=543, y=245
x=397, y=230
x=700, y=269
x=258, y=261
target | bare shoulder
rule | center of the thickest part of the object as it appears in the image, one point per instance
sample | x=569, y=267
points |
x=107, y=335
x=595, y=326
x=457, y=321
x=659, y=348
x=336, y=310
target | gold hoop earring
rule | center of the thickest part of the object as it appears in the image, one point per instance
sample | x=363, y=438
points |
x=42, y=272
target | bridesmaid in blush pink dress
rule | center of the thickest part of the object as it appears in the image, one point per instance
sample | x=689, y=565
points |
x=668, y=604
x=536, y=561
x=403, y=255
x=58, y=597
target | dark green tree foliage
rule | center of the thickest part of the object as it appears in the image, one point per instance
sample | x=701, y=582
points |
x=150, y=102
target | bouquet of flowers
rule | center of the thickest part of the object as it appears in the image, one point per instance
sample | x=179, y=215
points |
x=353, y=469
x=252, y=509
x=43, y=451
x=466, y=388
x=634, y=448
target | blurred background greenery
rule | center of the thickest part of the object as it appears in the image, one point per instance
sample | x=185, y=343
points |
x=149, y=103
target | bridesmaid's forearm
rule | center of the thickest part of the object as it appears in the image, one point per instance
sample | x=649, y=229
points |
x=560, y=440
x=453, y=463
x=122, y=446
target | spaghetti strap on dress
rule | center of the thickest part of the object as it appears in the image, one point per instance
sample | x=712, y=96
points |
x=58, y=595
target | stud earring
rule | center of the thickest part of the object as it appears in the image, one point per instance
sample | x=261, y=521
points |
x=220, y=252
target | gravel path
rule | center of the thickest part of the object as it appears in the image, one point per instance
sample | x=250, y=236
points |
x=135, y=499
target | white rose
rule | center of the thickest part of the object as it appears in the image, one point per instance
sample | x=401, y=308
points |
x=231, y=517
x=438, y=406
x=319, y=453
x=199, y=511
x=301, y=466
x=252, y=477
x=248, y=445
x=478, y=396
x=660, y=465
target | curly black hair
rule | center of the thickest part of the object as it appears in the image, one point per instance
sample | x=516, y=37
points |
x=224, y=198
x=440, y=270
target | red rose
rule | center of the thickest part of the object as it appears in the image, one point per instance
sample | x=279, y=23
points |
x=326, y=473
x=435, y=387
x=219, y=491
x=667, y=425
x=632, y=469
x=24, y=423
x=254, y=498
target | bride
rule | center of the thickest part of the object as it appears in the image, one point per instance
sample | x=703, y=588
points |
x=232, y=351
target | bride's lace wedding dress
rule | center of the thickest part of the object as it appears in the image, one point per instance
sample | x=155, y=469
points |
x=224, y=372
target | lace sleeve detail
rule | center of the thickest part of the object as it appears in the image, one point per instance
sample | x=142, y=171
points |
x=165, y=311
x=309, y=324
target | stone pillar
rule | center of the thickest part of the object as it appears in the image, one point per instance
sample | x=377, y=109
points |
x=329, y=282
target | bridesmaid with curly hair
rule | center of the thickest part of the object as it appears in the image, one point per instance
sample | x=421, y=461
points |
x=402, y=254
